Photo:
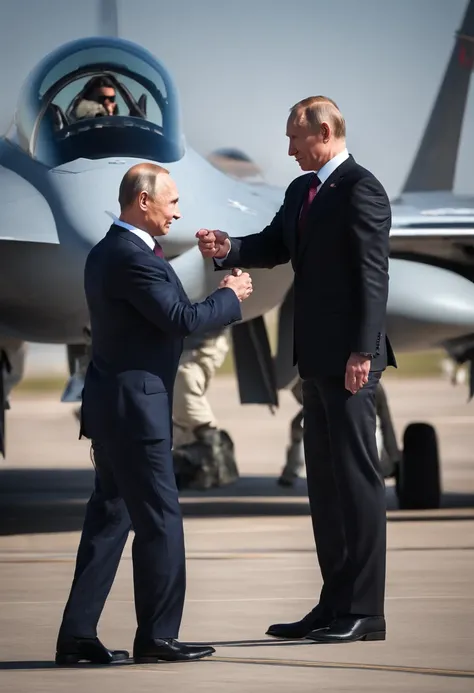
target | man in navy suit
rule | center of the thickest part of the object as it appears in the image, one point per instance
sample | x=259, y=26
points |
x=139, y=315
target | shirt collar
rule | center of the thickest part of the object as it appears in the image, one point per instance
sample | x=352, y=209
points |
x=144, y=235
x=329, y=168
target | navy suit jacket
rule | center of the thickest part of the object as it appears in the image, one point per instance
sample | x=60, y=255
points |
x=140, y=315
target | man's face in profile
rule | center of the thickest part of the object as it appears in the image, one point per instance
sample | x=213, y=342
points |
x=158, y=211
x=305, y=146
x=106, y=97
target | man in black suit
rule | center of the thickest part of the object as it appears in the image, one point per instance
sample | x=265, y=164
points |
x=334, y=227
x=139, y=315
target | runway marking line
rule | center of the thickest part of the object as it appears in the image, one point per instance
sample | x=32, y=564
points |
x=27, y=557
x=437, y=597
x=299, y=663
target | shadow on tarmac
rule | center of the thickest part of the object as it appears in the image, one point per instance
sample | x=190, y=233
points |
x=36, y=501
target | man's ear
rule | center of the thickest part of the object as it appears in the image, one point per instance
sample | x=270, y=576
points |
x=143, y=200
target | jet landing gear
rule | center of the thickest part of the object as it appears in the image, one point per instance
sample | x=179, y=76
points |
x=4, y=369
x=12, y=363
x=294, y=452
x=418, y=481
x=416, y=469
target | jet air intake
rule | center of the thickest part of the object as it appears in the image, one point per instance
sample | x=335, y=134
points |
x=427, y=305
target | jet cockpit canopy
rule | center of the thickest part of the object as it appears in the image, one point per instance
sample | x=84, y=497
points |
x=96, y=98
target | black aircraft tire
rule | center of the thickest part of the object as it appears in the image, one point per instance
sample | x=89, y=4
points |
x=418, y=479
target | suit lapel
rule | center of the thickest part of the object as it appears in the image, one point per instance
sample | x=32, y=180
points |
x=323, y=196
x=133, y=238
x=130, y=236
x=300, y=197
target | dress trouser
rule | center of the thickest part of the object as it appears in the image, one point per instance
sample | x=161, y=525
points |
x=346, y=494
x=134, y=485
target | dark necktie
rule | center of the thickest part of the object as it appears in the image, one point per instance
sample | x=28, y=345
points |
x=313, y=188
x=158, y=250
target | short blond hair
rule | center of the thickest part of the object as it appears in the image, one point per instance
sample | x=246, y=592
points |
x=315, y=110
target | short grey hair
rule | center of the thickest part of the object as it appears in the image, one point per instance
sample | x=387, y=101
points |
x=140, y=178
x=314, y=110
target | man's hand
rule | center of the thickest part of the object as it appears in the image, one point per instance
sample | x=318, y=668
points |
x=357, y=372
x=213, y=243
x=238, y=281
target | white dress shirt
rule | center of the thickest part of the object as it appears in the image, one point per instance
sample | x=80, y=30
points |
x=144, y=235
x=329, y=168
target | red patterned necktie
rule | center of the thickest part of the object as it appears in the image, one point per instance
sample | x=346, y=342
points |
x=313, y=189
x=158, y=250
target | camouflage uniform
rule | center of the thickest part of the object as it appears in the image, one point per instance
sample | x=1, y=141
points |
x=203, y=454
x=88, y=109
x=294, y=452
x=81, y=364
x=198, y=365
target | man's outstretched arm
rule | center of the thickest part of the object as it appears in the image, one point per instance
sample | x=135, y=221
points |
x=148, y=289
x=265, y=249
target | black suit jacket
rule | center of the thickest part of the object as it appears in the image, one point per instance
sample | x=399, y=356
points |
x=139, y=316
x=341, y=268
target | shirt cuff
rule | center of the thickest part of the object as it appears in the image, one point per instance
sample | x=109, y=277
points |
x=221, y=260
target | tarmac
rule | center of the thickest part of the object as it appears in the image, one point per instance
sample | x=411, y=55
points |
x=250, y=562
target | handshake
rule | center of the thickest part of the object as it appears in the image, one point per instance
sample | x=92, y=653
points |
x=216, y=244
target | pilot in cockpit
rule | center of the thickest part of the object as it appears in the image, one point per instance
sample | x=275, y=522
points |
x=98, y=98
x=91, y=104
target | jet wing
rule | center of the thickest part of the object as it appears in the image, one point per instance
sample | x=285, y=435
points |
x=416, y=227
x=433, y=215
x=437, y=215
x=25, y=215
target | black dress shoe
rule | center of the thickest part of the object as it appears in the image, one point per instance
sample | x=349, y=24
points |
x=351, y=629
x=317, y=618
x=168, y=650
x=75, y=650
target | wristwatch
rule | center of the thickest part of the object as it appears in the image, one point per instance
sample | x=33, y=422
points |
x=366, y=354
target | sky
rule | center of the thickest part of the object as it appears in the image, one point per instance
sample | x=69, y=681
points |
x=240, y=65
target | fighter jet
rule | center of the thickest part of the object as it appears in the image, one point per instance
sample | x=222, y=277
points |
x=60, y=167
